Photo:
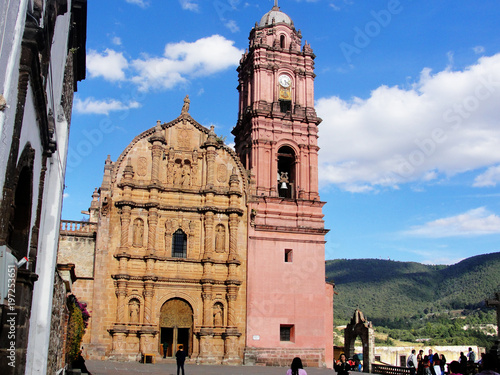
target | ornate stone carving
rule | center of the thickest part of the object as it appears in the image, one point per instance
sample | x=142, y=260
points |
x=134, y=309
x=221, y=173
x=218, y=312
x=184, y=138
x=142, y=166
x=138, y=238
x=176, y=313
x=186, y=174
x=185, y=106
x=220, y=238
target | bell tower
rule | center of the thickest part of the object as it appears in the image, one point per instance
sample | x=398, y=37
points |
x=276, y=135
x=289, y=306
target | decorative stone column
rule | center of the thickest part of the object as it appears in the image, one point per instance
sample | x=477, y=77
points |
x=152, y=223
x=211, y=144
x=206, y=334
x=209, y=232
x=233, y=236
x=148, y=299
x=125, y=225
x=121, y=294
x=157, y=140
x=207, y=306
x=232, y=293
x=231, y=336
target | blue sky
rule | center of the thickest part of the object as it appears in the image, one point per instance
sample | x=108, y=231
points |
x=409, y=94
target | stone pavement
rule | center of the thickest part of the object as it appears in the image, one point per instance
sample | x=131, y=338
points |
x=120, y=368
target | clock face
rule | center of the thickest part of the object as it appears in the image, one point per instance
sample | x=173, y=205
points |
x=284, y=80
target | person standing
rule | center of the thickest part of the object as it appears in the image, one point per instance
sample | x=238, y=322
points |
x=342, y=367
x=463, y=363
x=180, y=358
x=296, y=367
x=490, y=365
x=436, y=364
x=442, y=363
x=471, y=356
x=412, y=362
x=420, y=362
x=165, y=348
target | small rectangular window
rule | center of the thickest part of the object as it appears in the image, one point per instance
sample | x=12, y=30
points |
x=286, y=332
x=288, y=255
x=285, y=106
x=179, y=244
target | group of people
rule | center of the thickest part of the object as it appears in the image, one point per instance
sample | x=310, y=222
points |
x=431, y=364
x=342, y=366
x=434, y=364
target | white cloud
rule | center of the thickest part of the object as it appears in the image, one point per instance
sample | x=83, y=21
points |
x=335, y=7
x=490, y=178
x=116, y=41
x=190, y=5
x=110, y=65
x=232, y=26
x=476, y=222
x=446, y=123
x=141, y=3
x=478, y=50
x=182, y=61
x=102, y=107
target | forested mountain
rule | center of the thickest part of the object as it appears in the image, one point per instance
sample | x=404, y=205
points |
x=387, y=291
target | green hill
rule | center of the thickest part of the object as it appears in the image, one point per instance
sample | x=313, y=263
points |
x=388, y=291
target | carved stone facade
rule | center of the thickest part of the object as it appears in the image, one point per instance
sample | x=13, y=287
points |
x=170, y=254
x=219, y=250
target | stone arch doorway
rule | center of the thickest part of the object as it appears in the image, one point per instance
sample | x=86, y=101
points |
x=176, y=326
x=360, y=327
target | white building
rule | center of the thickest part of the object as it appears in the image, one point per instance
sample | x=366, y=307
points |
x=42, y=56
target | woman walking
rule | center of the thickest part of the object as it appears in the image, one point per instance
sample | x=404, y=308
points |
x=296, y=368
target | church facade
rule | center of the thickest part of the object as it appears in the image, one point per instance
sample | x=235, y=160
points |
x=216, y=249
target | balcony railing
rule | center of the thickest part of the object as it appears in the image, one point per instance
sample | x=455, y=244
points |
x=70, y=227
x=390, y=370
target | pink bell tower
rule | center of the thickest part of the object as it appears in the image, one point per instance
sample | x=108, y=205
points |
x=289, y=305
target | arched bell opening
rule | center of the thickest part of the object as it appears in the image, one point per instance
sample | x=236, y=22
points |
x=286, y=172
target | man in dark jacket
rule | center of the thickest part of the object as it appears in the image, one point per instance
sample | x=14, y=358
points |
x=180, y=357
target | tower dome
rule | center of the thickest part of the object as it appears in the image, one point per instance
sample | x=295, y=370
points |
x=275, y=14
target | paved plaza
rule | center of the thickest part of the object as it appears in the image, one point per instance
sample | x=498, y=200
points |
x=113, y=367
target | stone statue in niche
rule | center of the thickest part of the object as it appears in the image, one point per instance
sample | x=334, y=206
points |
x=186, y=175
x=133, y=308
x=177, y=173
x=170, y=174
x=138, y=238
x=220, y=238
x=218, y=321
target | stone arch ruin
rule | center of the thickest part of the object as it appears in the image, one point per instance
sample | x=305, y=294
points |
x=359, y=326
